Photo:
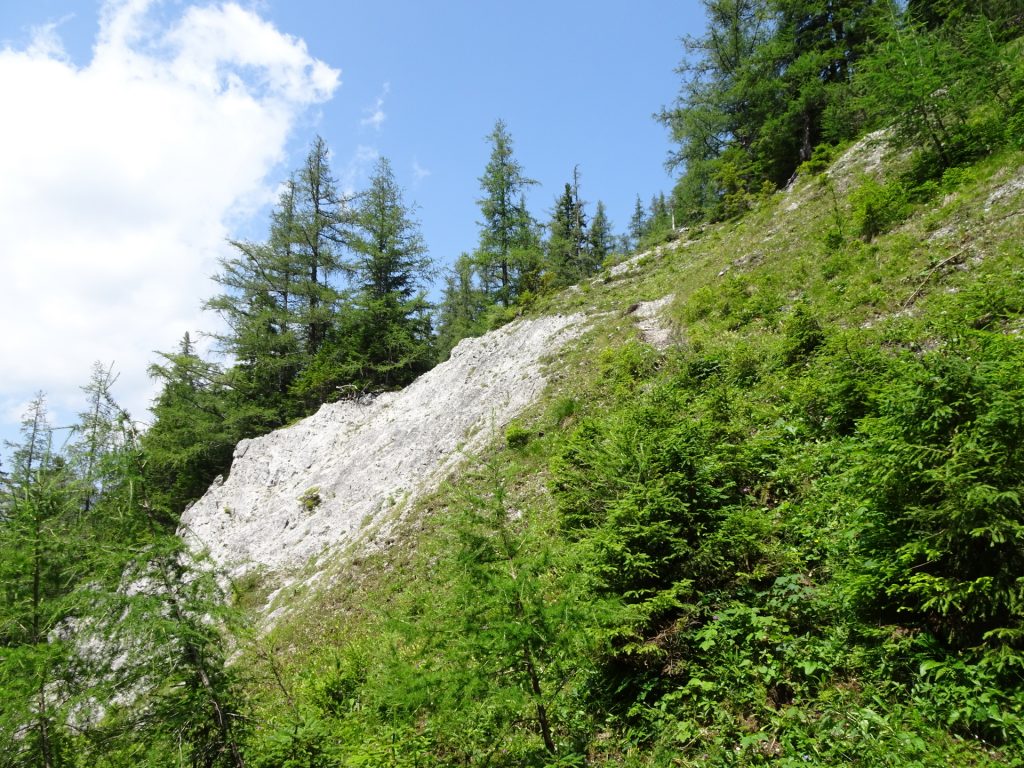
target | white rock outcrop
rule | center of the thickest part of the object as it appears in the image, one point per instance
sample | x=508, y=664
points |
x=341, y=475
x=652, y=327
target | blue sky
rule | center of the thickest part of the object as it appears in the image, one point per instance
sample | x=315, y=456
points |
x=150, y=131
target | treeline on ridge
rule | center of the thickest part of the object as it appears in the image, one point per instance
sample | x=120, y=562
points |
x=334, y=304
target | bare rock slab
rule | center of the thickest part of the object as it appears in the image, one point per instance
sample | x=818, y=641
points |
x=343, y=473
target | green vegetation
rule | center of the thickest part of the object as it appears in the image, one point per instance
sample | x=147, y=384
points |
x=114, y=640
x=795, y=537
x=774, y=81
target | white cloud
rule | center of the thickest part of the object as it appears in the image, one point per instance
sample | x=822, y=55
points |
x=46, y=42
x=376, y=115
x=419, y=173
x=121, y=178
x=358, y=168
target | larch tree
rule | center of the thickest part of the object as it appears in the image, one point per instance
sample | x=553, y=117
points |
x=719, y=101
x=38, y=562
x=260, y=306
x=505, y=222
x=319, y=231
x=282, y=297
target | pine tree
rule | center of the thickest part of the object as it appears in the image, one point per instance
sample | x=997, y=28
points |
x=506, y=223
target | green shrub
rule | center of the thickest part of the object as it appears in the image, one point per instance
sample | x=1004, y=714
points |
x=955, y=177
x=878, y=207
x=801, y=334
x=565, y=410
x=821, y=159
x=940, y=471
x=310, y=499
x=517, y=436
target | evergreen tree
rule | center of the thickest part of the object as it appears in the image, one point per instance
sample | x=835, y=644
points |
x=660, y=216
x=391, y=270
x=282, y=299
x=38, y=562
x=813, y=53
x=506, y=223
x=638, y=224
x=320, y=230
x=463, y=305
x=599, y=237
x=569, y=256
x=190, y=441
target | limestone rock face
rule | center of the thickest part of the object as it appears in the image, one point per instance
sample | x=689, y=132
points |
x=341, y=475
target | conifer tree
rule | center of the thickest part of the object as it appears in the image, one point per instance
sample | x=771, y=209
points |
x=569, y=255
x=282, y=298
x=719, y=102
x=506, y=223
x=391, y=269
x=320, y=230
x=600, y=239
x=462, y=308
x=928, y=84
x=504, y=628
x=812, y=55
x=260, y=305
x=190, y=441
x=38, y=562
x=638, y=224
x=767, y=82
x=148, y=644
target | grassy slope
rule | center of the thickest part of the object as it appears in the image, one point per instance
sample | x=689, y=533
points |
x=785, y=341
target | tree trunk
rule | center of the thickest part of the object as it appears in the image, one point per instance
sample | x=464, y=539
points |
x=542, y=712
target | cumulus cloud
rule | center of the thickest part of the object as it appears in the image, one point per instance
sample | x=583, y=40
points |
x=121, y=180
x=376, y=115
